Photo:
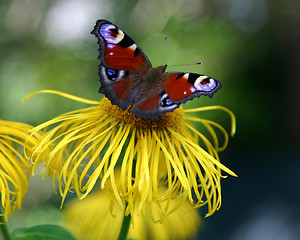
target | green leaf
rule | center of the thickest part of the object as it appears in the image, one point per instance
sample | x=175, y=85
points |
x=42, y=232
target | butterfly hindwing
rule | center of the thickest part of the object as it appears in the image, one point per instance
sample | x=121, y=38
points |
x=118, y=86
x=154, y=105
x=181, y=87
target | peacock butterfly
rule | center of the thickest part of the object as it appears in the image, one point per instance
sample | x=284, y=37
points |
x=128, y=78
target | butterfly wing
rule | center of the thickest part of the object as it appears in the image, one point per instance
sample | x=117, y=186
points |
x=178, y=87
x=181, y=87
x=122, y=66
x=154, y=105
x=117, y=50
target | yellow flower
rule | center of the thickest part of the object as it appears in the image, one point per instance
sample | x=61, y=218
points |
x=96, y=217
x=160, y=160
x=15, y=169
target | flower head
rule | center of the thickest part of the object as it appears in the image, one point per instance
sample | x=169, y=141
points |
x=91, y=218
x=15, y=169
x=160, y=160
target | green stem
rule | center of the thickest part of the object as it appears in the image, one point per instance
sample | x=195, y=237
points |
x=125, y=227
x=3, y=227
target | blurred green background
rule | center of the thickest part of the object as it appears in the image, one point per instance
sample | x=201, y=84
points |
x=251, y=46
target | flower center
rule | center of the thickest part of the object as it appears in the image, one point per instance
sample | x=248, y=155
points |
x=173, y=119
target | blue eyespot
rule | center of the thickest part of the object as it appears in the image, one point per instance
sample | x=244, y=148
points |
x=166, y=101
x=111, y=74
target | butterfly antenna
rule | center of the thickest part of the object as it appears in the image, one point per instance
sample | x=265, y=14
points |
x=185, y=64
x=162, y=61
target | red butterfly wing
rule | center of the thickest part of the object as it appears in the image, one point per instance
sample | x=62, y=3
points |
x=122, y=66
x=154, y=105
x=181, y=87
x=117, y=50
x=118, y=86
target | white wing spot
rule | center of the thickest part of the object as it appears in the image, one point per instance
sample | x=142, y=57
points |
x=132, y=47
x=186, y=75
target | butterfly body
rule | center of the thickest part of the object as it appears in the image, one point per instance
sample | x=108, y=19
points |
x=128, y=79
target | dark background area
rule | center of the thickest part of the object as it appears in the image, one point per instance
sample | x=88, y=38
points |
x=251, y=46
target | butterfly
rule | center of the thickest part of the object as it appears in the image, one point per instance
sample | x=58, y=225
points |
x=128, y=79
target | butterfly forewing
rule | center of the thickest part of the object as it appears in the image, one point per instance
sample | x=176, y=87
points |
x=122, y=66
x=117, y=50
x=181, y=86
